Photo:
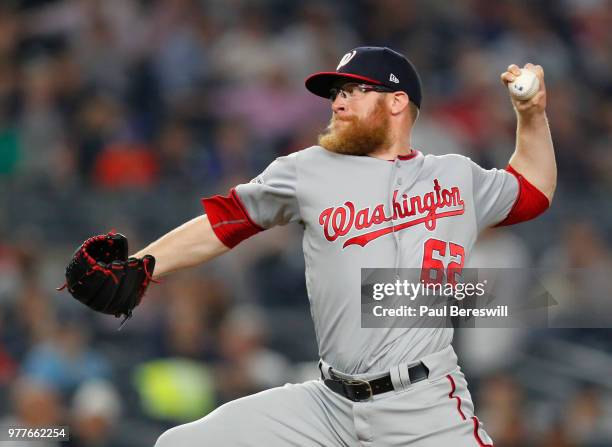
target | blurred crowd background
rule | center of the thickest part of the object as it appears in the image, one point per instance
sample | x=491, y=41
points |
x=122, y=114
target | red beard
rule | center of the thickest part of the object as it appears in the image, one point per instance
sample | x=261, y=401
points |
x=354, y=136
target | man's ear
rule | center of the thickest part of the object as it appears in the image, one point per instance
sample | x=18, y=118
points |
x=399, y=102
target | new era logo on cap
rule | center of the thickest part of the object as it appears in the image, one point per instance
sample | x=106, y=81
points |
x=373, y=65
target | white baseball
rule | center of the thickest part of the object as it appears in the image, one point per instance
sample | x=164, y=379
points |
x=525, y=85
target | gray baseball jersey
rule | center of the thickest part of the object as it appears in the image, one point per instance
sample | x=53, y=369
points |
x=361, y=211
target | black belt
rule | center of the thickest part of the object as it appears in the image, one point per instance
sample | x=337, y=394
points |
x=359, y=390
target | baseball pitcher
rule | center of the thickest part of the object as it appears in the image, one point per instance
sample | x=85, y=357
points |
x=365, y=198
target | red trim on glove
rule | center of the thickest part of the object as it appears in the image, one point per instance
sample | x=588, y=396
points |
x=530, y=201
x=229, y=218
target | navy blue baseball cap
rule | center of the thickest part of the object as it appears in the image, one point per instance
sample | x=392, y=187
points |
x=372, y=65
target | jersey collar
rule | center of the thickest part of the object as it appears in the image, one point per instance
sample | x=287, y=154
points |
x=410, y=156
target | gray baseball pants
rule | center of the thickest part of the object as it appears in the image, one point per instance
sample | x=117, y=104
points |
x=434, y=412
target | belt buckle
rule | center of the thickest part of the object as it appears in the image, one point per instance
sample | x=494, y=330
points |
x=361, y=382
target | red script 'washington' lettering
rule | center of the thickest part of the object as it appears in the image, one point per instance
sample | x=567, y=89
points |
x=338, y=221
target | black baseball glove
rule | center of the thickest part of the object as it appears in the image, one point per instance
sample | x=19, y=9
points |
x=101, y=276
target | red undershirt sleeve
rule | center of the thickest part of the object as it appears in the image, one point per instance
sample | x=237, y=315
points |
x=530, y=202
x=229, y=219
x=270, y=199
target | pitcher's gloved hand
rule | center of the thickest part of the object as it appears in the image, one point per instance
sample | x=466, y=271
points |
x=101, y=276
